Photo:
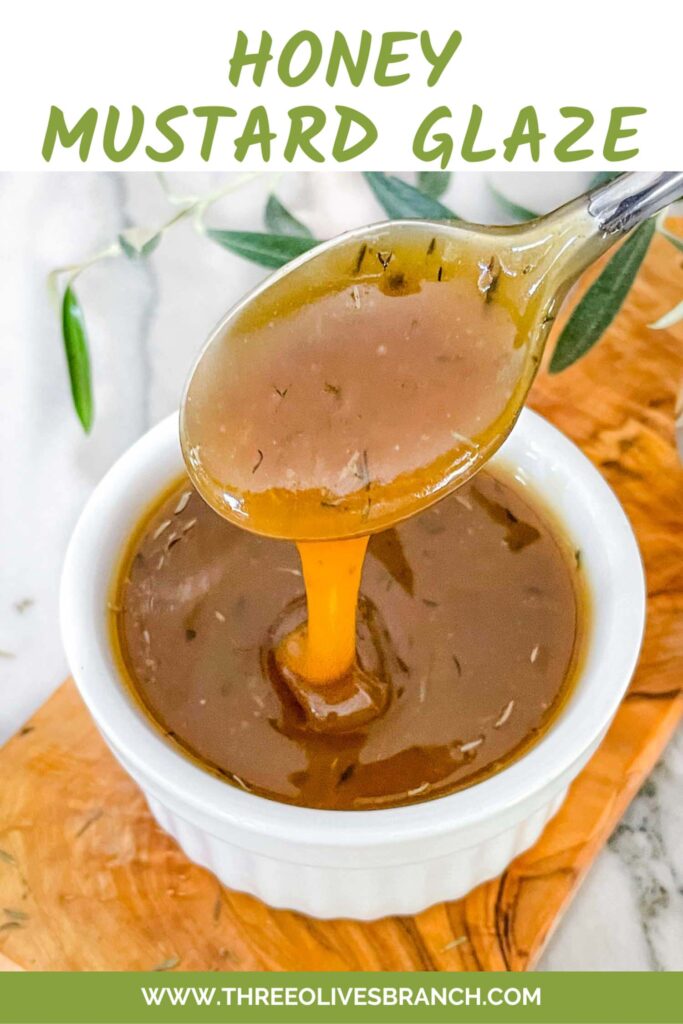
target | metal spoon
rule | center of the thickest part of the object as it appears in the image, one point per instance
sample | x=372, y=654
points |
x=313, y=414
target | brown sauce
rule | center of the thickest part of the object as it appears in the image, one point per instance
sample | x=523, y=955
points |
x=355, y=390
x=361, y=386
x=469, y=622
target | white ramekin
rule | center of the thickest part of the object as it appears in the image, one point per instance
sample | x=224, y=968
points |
x=361, y=864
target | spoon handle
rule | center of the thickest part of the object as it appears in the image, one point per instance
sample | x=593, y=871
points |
x=621, y=204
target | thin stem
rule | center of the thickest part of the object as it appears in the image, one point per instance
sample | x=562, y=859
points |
x=74, y=269
x=196, y=205
x=201, y=205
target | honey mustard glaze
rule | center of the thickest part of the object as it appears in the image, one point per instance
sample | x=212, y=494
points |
x=471, y=615
x=399, y=656
x=354, y=391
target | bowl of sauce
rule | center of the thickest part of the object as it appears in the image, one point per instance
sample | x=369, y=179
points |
x=495, y=635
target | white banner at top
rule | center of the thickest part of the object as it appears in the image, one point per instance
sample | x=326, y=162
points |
x=196, y=84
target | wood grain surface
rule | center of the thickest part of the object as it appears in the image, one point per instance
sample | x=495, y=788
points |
x=88, y=881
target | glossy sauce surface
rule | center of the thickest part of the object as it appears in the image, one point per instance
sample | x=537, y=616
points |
x=469, y=613
x=362, y=385
x=357, y=388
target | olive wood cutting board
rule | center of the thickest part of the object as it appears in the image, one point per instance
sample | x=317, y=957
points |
x=88, y=881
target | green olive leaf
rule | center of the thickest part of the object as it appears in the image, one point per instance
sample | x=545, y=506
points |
x=668, y=319
x=137, y=243
x=264, y=249
x=401, y=200
x=77, y=357
x=281, y=222
x=433, y=183
x=665, y=233
x=601, y=178
x=670, y=237
x=603, y=300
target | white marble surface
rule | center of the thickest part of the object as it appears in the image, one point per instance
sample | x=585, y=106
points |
x=145, y=323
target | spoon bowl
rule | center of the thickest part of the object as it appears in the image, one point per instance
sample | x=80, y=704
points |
x=382, y=369
x=367, y=378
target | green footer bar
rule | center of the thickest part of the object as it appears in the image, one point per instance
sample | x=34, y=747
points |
x=361, y=998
